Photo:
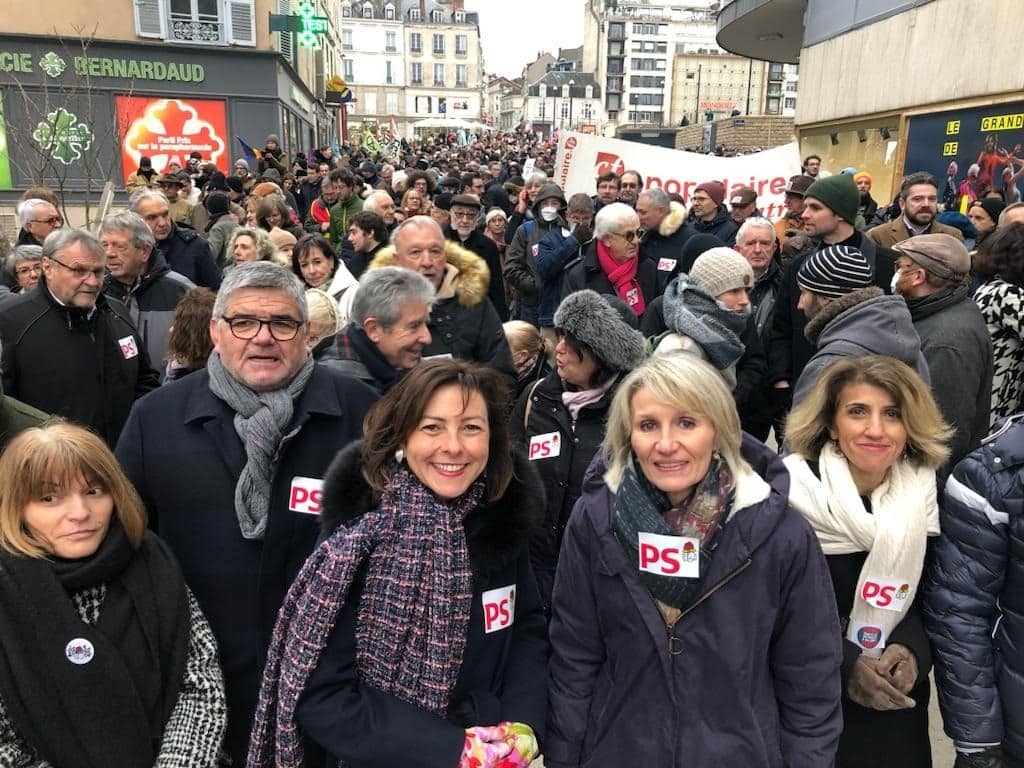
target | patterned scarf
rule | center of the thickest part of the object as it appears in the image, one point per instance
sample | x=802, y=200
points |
x=623, y=277
x=260, y=421
x=641, y=508
x=690, y=311
x=413, y=611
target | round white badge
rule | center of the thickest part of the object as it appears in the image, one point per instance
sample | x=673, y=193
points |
x=79, y=651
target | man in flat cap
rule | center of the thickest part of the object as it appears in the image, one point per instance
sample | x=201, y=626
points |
x=931, y=274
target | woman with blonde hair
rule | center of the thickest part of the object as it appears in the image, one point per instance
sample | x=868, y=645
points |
x=866, y=443
x=252, y=244
x=531, y=353
x=692, y=620
x=324, y=321
x=105, y=657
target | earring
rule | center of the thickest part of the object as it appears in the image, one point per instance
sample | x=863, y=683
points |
x=399, y=456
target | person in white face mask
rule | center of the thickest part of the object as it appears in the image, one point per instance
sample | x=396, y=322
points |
x=520, y=269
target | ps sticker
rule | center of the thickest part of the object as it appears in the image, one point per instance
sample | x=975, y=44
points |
x=128, y=347
x=546, y=446
x=870, y=637
x=79, y=651
x=666, y=265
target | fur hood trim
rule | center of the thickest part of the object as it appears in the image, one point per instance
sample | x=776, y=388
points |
x=836, y=307
x=495, y=532
x=674, y=219
x=469, y=284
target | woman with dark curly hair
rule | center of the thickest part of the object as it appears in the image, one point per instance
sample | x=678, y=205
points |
x=190, y=345
x=999, y=264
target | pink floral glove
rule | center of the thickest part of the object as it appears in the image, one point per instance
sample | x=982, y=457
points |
x=506, y=745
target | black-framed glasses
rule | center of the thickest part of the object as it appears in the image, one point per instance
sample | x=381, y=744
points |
x=28, y=269
x=53, y=221
x=247, y=328
x=81, y=273
x=629, y=237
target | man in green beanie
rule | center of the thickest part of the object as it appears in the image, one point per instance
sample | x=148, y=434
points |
x=829, y=215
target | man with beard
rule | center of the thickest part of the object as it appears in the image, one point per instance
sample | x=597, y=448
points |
x=631, y=184
x=464, y=212
x=919, y=202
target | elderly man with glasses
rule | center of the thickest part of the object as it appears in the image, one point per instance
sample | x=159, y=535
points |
x=611, y=264
x=66, y=349
x=37, y=219
x=230, y=461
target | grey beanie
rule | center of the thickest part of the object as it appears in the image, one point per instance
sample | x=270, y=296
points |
x=241, y=161
x=593, y=321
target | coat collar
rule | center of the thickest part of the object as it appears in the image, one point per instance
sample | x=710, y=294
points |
x=835, y=308
x=674, y=219
x=470, y=282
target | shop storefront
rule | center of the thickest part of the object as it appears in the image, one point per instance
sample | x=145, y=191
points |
x=75, y=115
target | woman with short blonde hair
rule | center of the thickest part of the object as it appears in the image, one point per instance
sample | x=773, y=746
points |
x=105, y=656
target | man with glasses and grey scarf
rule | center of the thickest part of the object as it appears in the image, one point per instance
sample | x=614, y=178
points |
x=229, y=462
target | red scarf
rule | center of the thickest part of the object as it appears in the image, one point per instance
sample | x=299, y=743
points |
x=623, y=277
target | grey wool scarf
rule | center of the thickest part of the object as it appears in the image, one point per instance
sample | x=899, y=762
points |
x=260, y=421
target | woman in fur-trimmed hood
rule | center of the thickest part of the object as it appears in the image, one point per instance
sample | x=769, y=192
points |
x=463, y=322
x=414, y=633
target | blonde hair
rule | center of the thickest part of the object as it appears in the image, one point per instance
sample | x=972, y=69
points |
x=808, y=425
x=324, y=316
x=60, y=453
x=683, y=382
x=525, y=337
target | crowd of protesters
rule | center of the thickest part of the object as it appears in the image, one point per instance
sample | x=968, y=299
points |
x=424, y=460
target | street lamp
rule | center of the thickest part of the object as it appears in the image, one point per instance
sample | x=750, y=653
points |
x=571, y=84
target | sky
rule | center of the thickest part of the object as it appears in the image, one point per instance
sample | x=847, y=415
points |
x=513, y=32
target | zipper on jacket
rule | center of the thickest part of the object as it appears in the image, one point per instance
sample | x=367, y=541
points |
x=674, y=642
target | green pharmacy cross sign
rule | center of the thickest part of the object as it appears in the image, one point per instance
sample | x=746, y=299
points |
x=307, y=26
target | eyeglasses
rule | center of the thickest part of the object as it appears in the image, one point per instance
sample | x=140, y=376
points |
x=246, y=328
x=53, y=221
x=80, y=273
x=28, y=269
x=630, y=236
x=463, y=214
x=700, y=199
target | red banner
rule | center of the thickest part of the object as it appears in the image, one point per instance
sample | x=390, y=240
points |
x=166, y=130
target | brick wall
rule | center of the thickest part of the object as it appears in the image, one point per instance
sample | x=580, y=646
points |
x=764, y=131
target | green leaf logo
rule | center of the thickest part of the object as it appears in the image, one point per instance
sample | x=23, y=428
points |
x=52, y=64
x=62, y=136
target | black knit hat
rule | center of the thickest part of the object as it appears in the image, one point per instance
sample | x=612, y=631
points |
x=217, y=183
x=595, y=322
x=217, y=203
x=834, y=271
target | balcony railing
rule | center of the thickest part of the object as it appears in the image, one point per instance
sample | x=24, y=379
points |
x=185, y=28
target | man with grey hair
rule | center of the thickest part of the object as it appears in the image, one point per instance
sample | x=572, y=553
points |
x=380, y=202
x=66, y=349
x=229, y=462
x=37, y=219
x=139, y=277
x=387, y=330
x=186, y=252
x=1013, y=213
x=663, y=222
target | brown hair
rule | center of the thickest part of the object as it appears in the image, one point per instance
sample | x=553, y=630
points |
x=60, y=453
x=40, y=193
x=807, y=428
x=267, y=206
x=393, y=418
x=190, y=343
x=1001, y=254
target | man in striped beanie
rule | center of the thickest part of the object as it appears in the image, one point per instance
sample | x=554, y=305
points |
x=848, y=316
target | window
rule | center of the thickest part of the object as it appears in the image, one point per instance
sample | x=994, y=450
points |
x=617, y=30
x=367, y=11
x=439, y=75
x=647, y=81
x=647, y=99
x=775, y=71
x=641, y=63
x=588, y=111
x=565, y=91
x=774, y=89
x=461, y=44
x=414, y=14
x=390, y=42
x=416, y=42
x=564, y=109
x=436, y=16
x=790, y=103
x=192, y=21
x=645, y=29
x=391, y=100
x=645, y=117
x=542, y=90
x=417, y=74
x=540, y=114
x=346, y=65
x=389, y=12
x=772, y=105
x=369, y=103
x=438, y=45
x=461, y=75
x=460, y=17
x=614, y=85
x=615, y=48
x=346, y=39
x=389, y=75
x=614, y=101
x=424, y=104
x=614, y=66
x=346, y=11
x=790, y=87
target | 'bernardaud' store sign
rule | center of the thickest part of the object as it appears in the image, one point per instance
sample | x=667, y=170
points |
x=103, y=66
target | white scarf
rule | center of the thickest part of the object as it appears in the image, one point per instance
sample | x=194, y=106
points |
x=904, y=513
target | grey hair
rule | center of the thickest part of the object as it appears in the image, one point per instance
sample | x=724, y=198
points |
x=60, y=239
x=132, y=223
x=22, y=253
x=754, y=222
x=145, y=194
x=387, y=167
x=659, y=197
x=537, y=177
x=370, y=203
x=26, y=210
x=416, y=222
x=325, y=184
x=974, y=169
x=265, y=248
x=384, y=292
x=610, y=218
x=261, y=274
x=1007, y=209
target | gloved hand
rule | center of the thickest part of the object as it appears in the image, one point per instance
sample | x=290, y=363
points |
x=899, y=665
x=506, y=745
x=989, y=757
x=583, y=233
x=869, y=687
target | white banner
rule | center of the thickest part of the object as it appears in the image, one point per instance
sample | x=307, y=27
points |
x=582, y=158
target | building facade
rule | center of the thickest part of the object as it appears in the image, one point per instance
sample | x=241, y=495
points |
x=563, y=101
x=710, y=80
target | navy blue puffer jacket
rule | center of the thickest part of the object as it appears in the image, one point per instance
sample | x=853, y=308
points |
x=974, y=594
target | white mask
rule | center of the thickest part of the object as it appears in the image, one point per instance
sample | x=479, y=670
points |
x=895, y=280
x=549, y=214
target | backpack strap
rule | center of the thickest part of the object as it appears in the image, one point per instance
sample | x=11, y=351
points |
x=529, y=403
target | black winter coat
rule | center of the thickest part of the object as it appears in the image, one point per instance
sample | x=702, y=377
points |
x=483, y=247
x=189, y=255
x=88, y=370
x=664, y=246
x=181, y=451
x=502, y=672
x=721, y=226
x=562, y=474
x=974, y=595
x=586, y=272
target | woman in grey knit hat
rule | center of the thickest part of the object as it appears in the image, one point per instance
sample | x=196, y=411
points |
x=560, y=420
